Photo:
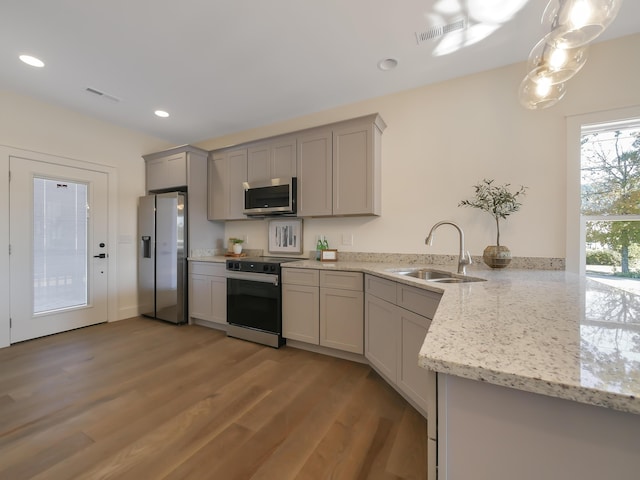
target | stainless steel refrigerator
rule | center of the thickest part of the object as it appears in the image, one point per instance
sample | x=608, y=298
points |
x=162, y=259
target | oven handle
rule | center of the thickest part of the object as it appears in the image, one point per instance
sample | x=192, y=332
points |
x=254, y=277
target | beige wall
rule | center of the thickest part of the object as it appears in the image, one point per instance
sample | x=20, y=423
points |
x=441, y=139
x=29, y=124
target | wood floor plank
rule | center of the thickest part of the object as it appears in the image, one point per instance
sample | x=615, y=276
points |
x=146, y=399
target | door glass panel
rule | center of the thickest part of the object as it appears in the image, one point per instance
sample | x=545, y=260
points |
x=60, y=245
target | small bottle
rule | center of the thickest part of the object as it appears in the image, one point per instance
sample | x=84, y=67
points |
x=325, y=244
x=318, y=248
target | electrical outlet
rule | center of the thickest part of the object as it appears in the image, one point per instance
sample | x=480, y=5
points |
x=347, y=239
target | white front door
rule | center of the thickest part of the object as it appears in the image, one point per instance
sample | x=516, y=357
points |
x=58, y=228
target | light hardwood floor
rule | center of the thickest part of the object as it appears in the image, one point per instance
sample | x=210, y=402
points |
x=141, y=399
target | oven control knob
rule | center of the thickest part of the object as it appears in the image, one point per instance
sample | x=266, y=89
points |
x=265, y=268
x=273, y=268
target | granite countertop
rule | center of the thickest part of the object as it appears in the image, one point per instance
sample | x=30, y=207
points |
x=541, y=331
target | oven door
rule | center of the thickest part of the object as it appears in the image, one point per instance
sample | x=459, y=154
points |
x=253, y=301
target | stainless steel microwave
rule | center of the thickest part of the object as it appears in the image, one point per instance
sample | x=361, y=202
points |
x=277, y=196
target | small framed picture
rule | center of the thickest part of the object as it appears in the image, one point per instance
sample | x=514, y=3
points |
x=328, y=255
x=285, y=236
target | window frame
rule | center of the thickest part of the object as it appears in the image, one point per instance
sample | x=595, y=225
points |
x=575, y=248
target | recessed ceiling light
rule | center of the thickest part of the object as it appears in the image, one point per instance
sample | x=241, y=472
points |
x=387, y=64
x=33, y=61
x=161, y=113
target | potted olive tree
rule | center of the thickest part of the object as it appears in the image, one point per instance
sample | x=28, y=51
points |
x=499, y=202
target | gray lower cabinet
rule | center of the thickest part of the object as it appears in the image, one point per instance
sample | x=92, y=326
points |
x=382, y=336
x=397, y=318
x=342, y=311
x=208, y=292
x=323, y=308
x=301, y=305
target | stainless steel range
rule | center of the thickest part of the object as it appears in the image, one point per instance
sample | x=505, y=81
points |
x=254, y=299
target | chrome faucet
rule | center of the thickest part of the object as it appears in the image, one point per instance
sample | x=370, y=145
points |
x=463, y=259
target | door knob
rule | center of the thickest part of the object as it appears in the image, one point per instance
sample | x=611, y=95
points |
x=102, y=255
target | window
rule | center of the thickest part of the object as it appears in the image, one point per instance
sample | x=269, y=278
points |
x=610, y=196
x=603, y=221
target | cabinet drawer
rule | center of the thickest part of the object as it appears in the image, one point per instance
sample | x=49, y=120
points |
x=300, y=276
x=341, y=280
x=381, y=288
x=208, y=268
x=417, y=300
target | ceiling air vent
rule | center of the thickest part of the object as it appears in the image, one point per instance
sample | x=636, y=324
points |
x=104, y=95
x=435, y=32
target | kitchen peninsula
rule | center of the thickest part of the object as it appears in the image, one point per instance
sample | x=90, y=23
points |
x=538, y=372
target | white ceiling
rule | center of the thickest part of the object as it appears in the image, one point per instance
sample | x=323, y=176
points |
x=222, y=66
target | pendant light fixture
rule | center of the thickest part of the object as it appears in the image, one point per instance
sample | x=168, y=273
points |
x=574, y=23
x=563, y=51
x=553, y=63
x=538, y=93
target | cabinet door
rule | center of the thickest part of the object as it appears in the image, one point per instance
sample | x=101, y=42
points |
x=352, y=170
x=283, y=158
x=357, y=167
x=259, y=163
x=166, y=172
x=217, y=187
x=226, y=171
x=200, y=300
x=413, y=379
x=300, y=313
x=341, y=319
x=219, y=299
x=382, y=336
x=315, y=188
x=237, y=168
x=274, y=159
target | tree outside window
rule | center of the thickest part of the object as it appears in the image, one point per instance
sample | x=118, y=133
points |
x=610, y=197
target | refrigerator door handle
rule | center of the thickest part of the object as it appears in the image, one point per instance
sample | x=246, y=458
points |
x=146, y=246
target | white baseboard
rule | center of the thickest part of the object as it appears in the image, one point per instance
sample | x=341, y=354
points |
x=128, y=312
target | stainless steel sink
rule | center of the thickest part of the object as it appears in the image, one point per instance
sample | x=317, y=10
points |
x=430, y=275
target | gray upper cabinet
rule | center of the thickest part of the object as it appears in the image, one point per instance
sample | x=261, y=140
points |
x=272, y=159
x=226, y=171
x=166, y=171
x=357, y=167
x=315, y=189
x=339, y=169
